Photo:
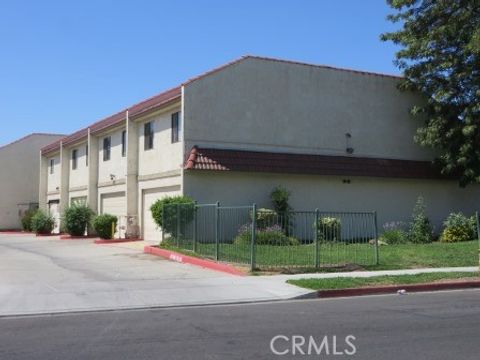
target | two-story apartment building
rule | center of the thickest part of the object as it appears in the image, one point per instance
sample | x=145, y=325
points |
x=19, y=163
x=337, y=139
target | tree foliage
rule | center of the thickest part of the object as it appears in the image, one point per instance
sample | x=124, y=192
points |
x=440, y=56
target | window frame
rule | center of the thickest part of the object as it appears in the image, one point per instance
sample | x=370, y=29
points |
x=148, y=137
x=74, y=159
x=175, y=127
x=86, y=155
x=52, y=166
x=124, y=143
x=107, y=147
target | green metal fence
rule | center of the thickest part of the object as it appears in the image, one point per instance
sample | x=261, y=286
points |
x=263, y=239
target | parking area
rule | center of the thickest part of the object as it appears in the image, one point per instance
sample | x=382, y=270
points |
x=48, y=275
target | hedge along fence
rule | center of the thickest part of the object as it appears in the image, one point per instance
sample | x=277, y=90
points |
x=264, y=239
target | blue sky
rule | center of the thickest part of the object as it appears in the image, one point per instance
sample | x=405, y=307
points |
x=66, y=64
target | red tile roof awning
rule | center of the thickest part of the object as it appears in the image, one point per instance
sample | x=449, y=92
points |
x=287, y=163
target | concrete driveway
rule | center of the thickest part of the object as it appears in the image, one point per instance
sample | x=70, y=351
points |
x=48, y=275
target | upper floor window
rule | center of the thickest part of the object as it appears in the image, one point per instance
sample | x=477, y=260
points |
x=148, y=136
x=175, y=127
x=86, y=155
x=52, y=165
x=107, y=145
x=124, y=143
x=74, y=159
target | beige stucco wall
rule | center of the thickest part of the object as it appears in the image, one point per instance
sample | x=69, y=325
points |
x=274, y=106
x=19, y=176
x=117, y=165
x=168, y=181
x=79, y=176
x=393, y=199
x=164, y=156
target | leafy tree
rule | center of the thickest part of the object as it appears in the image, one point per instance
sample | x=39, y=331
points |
x=440, y=58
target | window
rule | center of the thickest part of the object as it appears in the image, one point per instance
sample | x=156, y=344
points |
x=74, y=159
x=175, y=127
x=148, y=136
x=124, y=143
x=52, y=164
x=107, y=144
x=86, y=155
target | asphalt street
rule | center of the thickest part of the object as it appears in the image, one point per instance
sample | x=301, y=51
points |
x=442, y=325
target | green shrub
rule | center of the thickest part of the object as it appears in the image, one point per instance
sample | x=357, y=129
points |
x=280, y=197
x=42, y=223
x=27, y=219
x=77, y=219
x=329, y=229
x=103, y=225
x=166, y=210
x=394, y=233
x=265, y=218
x=420, y=230
x=458, y=227
x=269, y=236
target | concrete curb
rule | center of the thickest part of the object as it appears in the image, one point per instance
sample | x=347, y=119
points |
x=70, y=237
x=185, y=259
x=393, y=289
x=114, y=241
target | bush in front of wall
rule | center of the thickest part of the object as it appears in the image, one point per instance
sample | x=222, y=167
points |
x=280, y=197
x=329, y=229
x=27, y=219
x=265, y=218
x=394, y=233
x=272, y=235
x=103, y=225
x=173, y=211
x=458, y=227
x=77, y=219
x=420, y=231
x=42, y=223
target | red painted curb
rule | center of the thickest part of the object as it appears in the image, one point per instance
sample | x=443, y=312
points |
x=113, y=241
x=70, y=237
x=185, y=259
x=46, y=235
x=394, y=288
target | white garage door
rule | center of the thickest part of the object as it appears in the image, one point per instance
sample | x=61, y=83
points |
x=150, y=231
x=54, y=211
x=115, y=204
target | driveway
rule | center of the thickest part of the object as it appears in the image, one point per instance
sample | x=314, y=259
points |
x=48, y=275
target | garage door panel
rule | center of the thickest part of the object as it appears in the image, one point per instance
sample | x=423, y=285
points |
x=115, y=204
x=151, y=232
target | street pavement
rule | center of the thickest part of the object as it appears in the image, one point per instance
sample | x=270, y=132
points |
x=439, y=326
x=48, y=275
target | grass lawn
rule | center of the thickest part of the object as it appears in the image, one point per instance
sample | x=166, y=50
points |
x=339, y=254
x=348, y=283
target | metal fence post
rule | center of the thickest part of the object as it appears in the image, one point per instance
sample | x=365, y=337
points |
x=254, y=237
x=194, y=227
x=217, y=229
x=375, y=229
x=163, y=222
x=317, y=243
x=478, y=235
x=178, y=226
